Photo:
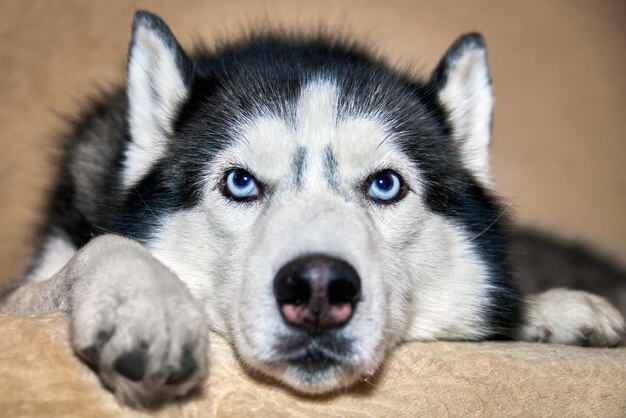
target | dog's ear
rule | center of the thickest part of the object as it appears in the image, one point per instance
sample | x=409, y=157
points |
x=463, y=87
x=159, y=76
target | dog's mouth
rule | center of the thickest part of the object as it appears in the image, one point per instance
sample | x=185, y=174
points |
x=314, y=360
x=314, y=355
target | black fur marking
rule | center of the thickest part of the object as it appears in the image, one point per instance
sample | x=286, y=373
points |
x=541, y=262
x=330, y=169
x=298, y=165
x=144, y=205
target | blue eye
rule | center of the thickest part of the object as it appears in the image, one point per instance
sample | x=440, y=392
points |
x=385, y=187
x=241, y=185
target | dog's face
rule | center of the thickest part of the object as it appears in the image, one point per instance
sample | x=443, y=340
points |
x=329, y=209
x=314, y=261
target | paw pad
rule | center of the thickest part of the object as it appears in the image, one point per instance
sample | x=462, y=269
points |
x=132, y=364
x=543, y=336
x=91, y=354
x=187, y=367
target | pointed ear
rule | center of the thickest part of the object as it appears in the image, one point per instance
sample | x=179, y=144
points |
x=159, y=76
x=463, y=86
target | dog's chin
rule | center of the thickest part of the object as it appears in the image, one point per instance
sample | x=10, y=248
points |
x=304, y=378
x=311, y=369
x=321, y=382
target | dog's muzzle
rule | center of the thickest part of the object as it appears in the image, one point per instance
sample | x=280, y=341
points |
x=316, y=293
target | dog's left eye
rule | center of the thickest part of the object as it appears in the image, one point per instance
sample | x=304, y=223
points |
x=240, y=185
x=385, y=187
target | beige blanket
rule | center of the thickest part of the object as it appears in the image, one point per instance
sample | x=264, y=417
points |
x=39, y=376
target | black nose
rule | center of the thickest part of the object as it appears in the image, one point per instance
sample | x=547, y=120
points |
x=317, y=292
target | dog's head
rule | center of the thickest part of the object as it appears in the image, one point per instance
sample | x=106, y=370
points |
x=322, y=206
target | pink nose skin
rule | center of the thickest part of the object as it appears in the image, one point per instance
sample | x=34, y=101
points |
x=331, y=317
x=317, y=293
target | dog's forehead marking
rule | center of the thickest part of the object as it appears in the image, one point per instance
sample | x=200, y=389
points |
x=330, y=168
x=320, y=144
x=316, y=115
x=298, y=165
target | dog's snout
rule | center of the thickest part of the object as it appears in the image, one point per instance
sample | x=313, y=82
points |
x=317, y=292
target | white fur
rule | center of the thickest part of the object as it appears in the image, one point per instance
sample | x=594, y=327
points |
x=293, y=229
x=57, y=251
x=574, y=317
x=155, y=89
x=468, y=97
x=190, y=246
x=452, y=285
x=121, y=291
x=316, y=114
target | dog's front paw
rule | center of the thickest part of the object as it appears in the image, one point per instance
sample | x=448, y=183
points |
x=572, y=317
x=137, y=324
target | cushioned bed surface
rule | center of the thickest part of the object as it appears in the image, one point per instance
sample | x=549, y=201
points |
x=39, y=376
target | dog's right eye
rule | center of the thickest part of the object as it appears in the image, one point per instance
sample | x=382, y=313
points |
x=241, y=186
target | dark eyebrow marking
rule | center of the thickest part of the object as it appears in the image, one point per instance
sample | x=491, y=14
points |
x=298, y=165
x=330, y=168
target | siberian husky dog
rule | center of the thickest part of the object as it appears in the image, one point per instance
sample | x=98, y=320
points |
x=296, y=195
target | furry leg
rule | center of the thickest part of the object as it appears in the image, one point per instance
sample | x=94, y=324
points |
x=132, y=319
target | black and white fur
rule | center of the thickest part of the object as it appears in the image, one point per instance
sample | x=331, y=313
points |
x=144, y=250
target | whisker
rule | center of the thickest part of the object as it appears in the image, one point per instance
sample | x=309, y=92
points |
x=144, y=202
x=104, y=229
x=504, y=211
x=387, y=136
x=367, y=380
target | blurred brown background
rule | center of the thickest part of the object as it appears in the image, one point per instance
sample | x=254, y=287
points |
x=558, y=66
